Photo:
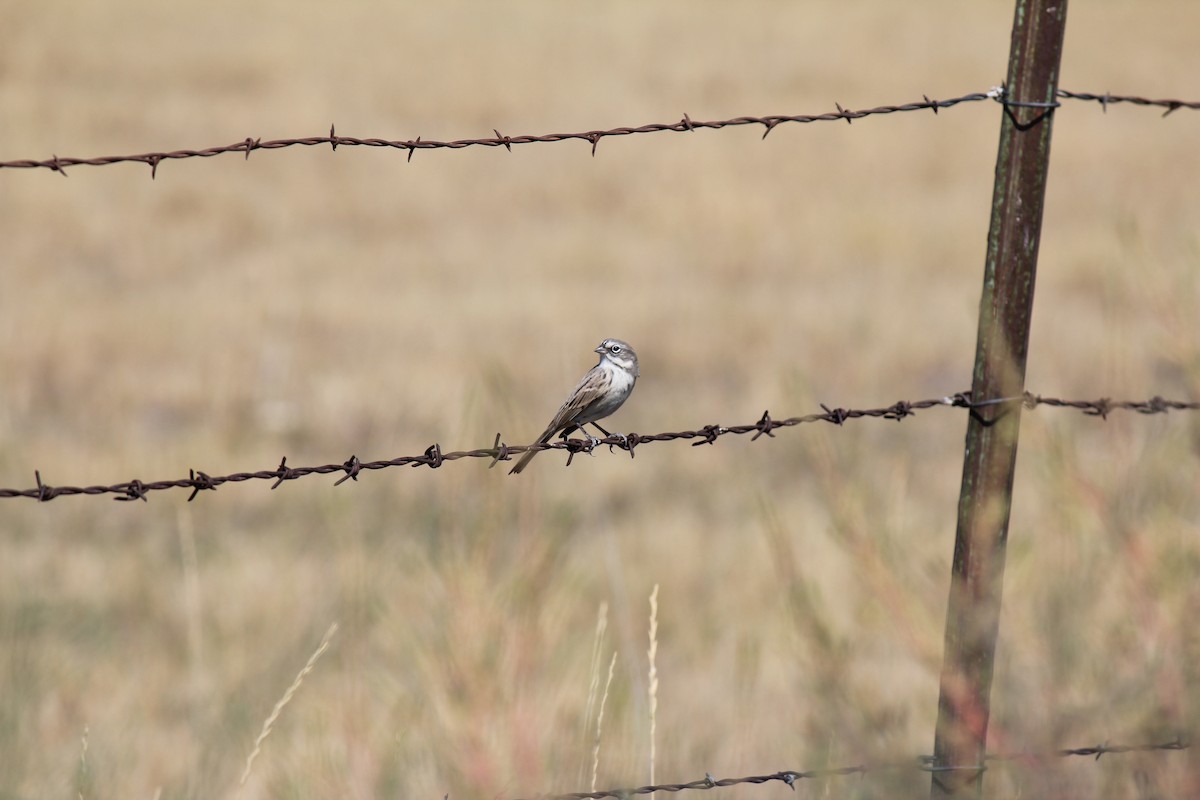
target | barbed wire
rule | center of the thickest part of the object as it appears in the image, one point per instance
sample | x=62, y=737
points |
x=685, y=125
x=1105, y=100
x=922, y=763
x=434, y=457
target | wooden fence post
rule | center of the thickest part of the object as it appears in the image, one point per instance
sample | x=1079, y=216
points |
x=973, y=612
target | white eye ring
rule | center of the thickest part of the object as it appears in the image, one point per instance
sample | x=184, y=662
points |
x=614, y=348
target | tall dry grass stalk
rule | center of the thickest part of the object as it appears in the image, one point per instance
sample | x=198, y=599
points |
x=652, y=689
x=600, y=720
x=593, y=678
x=283, y=701
x=82, y=780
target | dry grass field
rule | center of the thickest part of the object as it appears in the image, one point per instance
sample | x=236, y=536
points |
x=316, y=304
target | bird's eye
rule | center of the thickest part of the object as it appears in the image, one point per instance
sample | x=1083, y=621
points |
x=614, y=348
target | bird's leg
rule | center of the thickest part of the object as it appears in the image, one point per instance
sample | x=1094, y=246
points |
x=624, y=439
x=592, y=440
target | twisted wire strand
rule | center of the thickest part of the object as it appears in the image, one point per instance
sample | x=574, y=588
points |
x=685, y=125
x=434, y=457
x=923, y=763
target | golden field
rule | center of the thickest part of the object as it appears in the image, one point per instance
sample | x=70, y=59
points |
x=317, y=305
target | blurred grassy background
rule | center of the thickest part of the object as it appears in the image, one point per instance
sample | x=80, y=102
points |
x=317, y=305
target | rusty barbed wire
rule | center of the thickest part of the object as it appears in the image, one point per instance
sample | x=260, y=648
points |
x=922, y=763
x=434, y=457
x=684, y=125
x=1105, y=100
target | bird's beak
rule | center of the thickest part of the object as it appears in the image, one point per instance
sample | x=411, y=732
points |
x=599, y=349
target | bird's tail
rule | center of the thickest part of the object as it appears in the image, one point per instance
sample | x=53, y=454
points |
x=529, y=454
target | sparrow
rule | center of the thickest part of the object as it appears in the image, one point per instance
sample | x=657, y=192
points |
x=601, y=392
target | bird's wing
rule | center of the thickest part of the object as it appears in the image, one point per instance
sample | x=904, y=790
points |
x=594, y=385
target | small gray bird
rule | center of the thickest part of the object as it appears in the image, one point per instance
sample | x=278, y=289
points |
x=600, y=393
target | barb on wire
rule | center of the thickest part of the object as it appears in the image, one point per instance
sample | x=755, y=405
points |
x=433, y=457
x=686, y=124
x=923, y=763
